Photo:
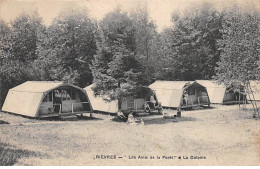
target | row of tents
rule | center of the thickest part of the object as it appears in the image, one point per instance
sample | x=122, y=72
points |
x=54, y=98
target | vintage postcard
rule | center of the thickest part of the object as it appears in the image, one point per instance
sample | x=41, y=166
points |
x=129, y=83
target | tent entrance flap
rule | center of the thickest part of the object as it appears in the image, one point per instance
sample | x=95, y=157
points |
x=57, y=101
x=194, y=95
x=63, y=101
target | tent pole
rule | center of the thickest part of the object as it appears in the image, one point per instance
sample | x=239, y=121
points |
x=239, y=98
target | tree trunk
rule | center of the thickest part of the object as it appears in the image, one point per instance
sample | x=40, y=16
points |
x=1, y=92
x=119, y=104
x=1, y=84
x=244, y=101
x=119, y=99
x=239, y=98
x=256, y=108
x=251, y=100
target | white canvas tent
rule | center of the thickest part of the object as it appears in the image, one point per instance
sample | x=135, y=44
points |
x=255, y=86
x=129, y=104
x=46, y=98
x=218, y=93
x=170, y=93
x=98, y=103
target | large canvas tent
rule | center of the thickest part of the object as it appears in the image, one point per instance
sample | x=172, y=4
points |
x=180, y=93
x=220, y=94
x=129, y=104
x=146, y=101
x=255, y=86
x=100, y=104
x=46, y=98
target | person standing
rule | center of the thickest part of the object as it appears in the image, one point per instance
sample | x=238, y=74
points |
x=185, y=97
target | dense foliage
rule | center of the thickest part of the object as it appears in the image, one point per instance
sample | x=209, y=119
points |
x=116, y=69
x=239, y=49
x=69, y=48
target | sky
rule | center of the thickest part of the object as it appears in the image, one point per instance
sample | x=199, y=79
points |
x=159, y=10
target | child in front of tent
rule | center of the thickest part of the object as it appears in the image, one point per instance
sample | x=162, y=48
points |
x=179, y=112
x=133, y=121
x=121, y=116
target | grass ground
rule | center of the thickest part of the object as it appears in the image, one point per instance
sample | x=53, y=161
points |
x=224, y=135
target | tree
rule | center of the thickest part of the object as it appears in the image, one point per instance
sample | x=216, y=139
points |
x=165, y=56
x=19, y=43
x=239, y=47
x=116, y=70
x=24, y=37
x=5, y=36
x=193, y=43
x=70, y=47
x=25, y=30
x=145, y=36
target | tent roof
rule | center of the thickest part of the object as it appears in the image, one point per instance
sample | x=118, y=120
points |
x=255, y=83
x=216, y=92
x=210, y=83
x=89, y=87
x=98, y=103
x=169, y=93
x=169, y=85
x=255, y=86
x=40, y=86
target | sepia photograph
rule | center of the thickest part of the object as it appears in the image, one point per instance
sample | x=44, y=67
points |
x=129, y=83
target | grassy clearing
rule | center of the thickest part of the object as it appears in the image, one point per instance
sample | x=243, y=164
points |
x=225, y=135
x=10, y=155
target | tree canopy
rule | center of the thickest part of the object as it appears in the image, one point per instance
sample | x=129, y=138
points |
x=69, y=48
x=239, y=49
x=116, y=69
